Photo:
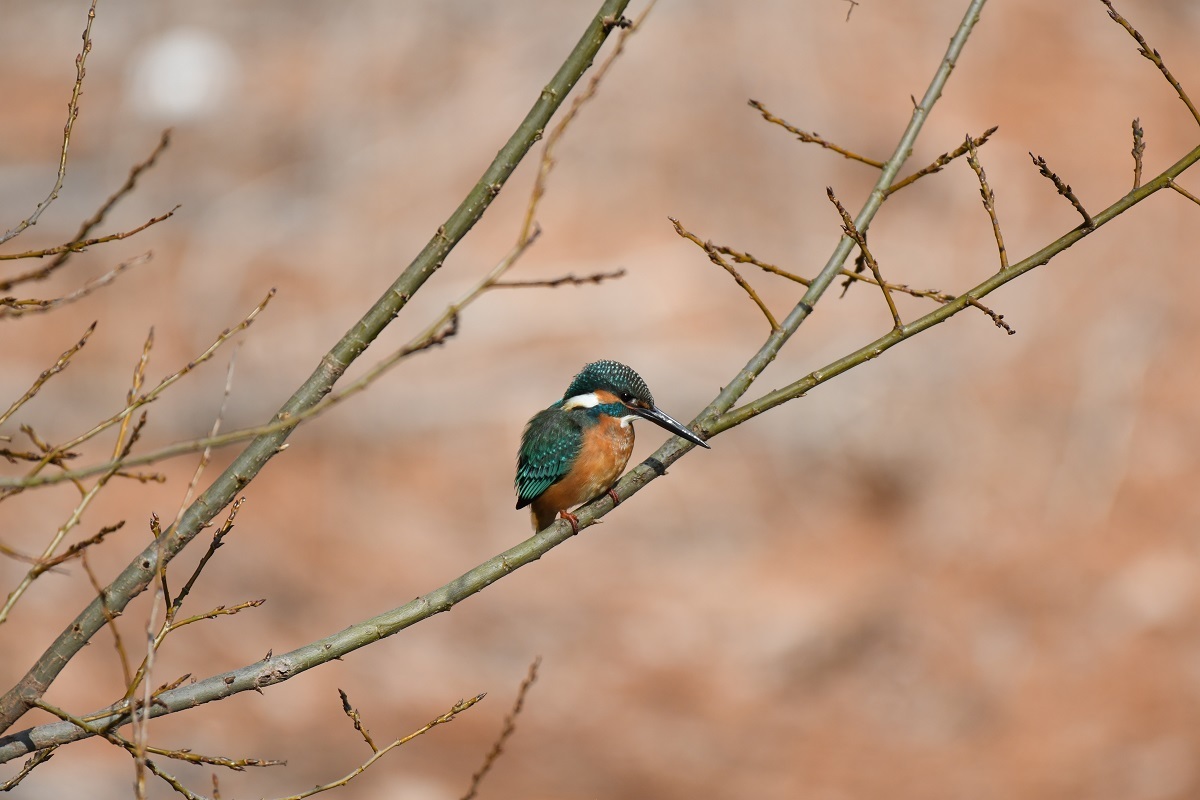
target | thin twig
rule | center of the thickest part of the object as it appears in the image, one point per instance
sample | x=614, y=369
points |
x=989, y=199
x=942, y=160
x=55, y=368
x=552, y=283
x=1139, y=148
x=14, y=307
x=40, y=757
x=1154, y=57
x=1063, y=189
x=861, y=240
x=72, y=113
x=506, y=731
x=459, y=707
x=715, y=257
x=89, y=224
x=1184, y=192
x=812, y=138
x=77, y=246
x=354, y=716
x=996, y=318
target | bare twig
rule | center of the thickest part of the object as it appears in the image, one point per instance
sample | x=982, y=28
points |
x=812, y=138
x=57, y=367
x=40, y=757
x=14, y=307
x=459, y=707
x=996, y=318
x=89, y=224
x=861, y=240
x=989, y=199
x=72, y=113
x=942, y=160
x=353, y=714
x=1139, y=147
x=76, y=246
x=506, y=731
x=1063, y=189
x=715, y=257
x=552, y=283
x=1154, y=57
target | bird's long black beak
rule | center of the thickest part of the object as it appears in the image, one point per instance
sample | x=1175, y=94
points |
x=666, y=421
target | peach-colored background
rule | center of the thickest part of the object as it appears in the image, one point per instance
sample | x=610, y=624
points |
x=967, y=569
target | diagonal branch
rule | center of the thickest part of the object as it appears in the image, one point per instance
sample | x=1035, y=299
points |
x=715, y=257
x=1153, y=56
x=812, y=138
x=137, y=575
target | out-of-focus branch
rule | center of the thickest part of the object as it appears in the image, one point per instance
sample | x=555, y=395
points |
x=72, y=113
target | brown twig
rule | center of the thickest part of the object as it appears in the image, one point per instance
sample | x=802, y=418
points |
x=1154, y=57
x=506, y=731
x=40, y=757
x=89, y=224
x=75, y=246
x=55, y=368
x=812, y=138
x=72, y=113
x=996, y=318
x=1139, y=148
x=573, y=280
x=853, y=232
x=354, y=716
x=989, y=198
x=459, y=707
x=941, y=161
x=14, y=307
x=715, y=257
x=109, y=616
x=1063, y=189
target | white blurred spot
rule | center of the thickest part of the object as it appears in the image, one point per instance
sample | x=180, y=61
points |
x=183, y=74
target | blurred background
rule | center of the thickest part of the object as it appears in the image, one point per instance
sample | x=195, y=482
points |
x=967, y=569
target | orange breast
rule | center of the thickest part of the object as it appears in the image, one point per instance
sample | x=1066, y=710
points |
x=606, y=448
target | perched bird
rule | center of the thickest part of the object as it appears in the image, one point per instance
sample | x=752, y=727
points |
x=575, y=450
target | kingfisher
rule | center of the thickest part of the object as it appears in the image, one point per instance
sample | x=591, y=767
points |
x=575, y=450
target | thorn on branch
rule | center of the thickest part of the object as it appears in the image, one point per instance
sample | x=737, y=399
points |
x=1063, y=189
x=812, y=138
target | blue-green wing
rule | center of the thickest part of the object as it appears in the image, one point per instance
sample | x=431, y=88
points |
x=550, y=444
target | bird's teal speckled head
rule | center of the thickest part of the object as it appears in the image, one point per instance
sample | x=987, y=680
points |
x=614, y=377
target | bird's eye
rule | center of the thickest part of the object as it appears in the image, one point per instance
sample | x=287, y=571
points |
x=628, y=399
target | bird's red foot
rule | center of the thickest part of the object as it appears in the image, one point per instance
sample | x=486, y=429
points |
x=613, y=494
x=571, y=518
